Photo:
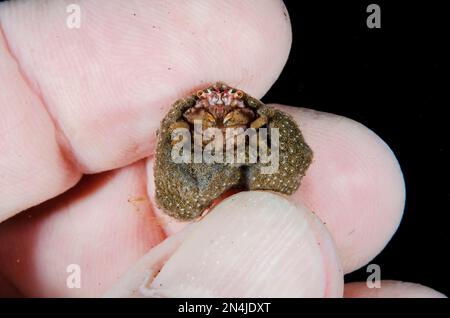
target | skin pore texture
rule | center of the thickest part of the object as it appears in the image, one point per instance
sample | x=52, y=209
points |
x=86, y=103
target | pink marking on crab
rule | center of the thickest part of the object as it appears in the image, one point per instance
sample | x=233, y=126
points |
x=227, y=97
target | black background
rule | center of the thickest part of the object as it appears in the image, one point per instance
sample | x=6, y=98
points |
x=391, y=80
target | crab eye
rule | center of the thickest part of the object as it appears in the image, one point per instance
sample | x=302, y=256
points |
x=239, y=94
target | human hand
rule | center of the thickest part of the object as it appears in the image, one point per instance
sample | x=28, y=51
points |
x=89, y=101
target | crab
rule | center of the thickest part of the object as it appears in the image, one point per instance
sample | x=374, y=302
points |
x=186, y=190
x=220, y=106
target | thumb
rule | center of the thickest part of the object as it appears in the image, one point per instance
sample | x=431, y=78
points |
x=253, y=244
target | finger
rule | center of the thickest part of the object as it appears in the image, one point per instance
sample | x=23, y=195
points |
x=252, y=244
x=104, y=224
x=390, y=289
x=107, y=84
x=33, y=165
x=354, y=185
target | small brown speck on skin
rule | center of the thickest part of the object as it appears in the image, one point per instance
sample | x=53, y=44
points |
x=137, y=201
x=285, y=13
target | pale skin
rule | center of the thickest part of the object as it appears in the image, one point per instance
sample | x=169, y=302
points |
x=88, y=101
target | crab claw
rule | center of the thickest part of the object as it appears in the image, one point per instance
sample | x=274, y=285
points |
x=238, y=117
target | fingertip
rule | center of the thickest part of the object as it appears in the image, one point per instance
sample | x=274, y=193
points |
x=252, y=244
x=355, y=184
x=390, y=289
